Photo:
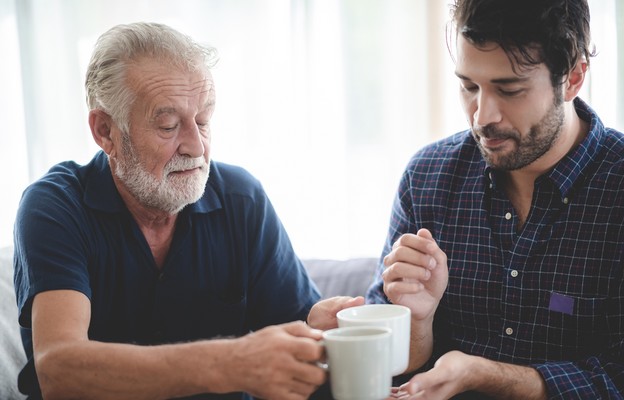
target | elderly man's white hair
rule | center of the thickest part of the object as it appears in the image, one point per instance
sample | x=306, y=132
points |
x=106, y=85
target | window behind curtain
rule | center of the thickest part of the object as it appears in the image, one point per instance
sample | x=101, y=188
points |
x=324, y=101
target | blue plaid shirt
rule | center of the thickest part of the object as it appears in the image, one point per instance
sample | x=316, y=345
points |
x=551, y=295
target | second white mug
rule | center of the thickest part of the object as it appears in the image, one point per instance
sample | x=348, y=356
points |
x=393, y=316
x=358, y=359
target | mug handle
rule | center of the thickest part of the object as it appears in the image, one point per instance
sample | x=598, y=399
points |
x=323, y=364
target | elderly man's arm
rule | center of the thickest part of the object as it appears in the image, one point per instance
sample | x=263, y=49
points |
x=275, y=362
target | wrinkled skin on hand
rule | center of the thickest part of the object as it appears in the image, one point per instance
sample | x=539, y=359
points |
x=279, y=362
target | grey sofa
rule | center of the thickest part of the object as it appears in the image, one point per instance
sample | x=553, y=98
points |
x=333, y=277
x=12, y=356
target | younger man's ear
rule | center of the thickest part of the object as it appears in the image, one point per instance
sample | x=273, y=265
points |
x=101, y=125
x=575, y=80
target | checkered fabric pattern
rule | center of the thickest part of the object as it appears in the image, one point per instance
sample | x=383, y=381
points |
x=550, y=294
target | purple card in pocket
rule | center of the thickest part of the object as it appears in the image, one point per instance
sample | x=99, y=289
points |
x=561, y=303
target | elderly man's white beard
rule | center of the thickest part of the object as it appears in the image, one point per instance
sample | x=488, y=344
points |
x=171, y=193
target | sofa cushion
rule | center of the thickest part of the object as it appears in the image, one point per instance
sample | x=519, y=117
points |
x=13, y=357
x=342, y=277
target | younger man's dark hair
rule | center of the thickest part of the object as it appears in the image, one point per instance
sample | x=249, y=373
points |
x=531, y=32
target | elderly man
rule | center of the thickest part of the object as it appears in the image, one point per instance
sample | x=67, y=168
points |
x=124, y=267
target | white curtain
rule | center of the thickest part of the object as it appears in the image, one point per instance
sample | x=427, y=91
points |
x=322, y=100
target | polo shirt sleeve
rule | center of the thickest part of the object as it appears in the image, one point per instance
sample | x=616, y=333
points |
x=281, y=289
x=278, y=288
x=49, y=249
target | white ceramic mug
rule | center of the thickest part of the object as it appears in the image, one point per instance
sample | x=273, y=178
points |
x=358, y=359
x=393, y=316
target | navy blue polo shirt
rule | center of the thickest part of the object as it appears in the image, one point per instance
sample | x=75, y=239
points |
x=230, y=270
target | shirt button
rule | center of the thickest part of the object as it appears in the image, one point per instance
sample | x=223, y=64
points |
x=161, y=276
x=508, y=216
x=509, y=331
x=566, y=200
x=514, y=273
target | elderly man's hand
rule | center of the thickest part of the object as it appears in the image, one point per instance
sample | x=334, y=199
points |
x=323, y=314
x=278, y=362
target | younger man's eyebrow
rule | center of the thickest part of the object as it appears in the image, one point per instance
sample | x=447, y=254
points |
x=505, y=81
x=500, y=81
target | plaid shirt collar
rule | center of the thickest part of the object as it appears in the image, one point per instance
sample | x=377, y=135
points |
x=573, y=166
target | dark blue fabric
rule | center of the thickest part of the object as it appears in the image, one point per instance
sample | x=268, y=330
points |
x=501, y=280
x=231, y=268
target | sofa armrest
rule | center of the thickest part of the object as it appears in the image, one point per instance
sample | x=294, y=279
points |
x=13, y=357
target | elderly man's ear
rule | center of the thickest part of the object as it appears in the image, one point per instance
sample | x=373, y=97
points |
x=101, y=125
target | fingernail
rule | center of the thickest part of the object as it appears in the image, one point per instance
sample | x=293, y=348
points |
x=432, y=263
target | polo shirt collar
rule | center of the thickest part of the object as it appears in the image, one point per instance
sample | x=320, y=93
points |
x=102, y=194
